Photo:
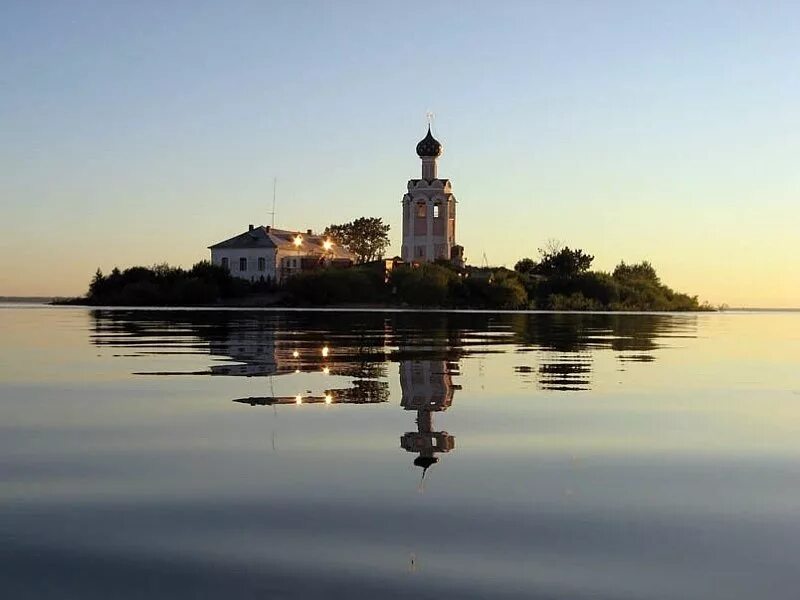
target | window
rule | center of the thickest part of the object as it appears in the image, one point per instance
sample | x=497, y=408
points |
x=419, y=252
x=436, y=210
x=243, y=264
x=421, y=210
x=224, y=263
x=262, y=263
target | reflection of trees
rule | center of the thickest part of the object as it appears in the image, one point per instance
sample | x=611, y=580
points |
x=361, y=344
x=565, y=342
x=446, y=336
x=570, y=332
x=363, y=391
x=556, y=332
x=566, y=372
x=563, y=371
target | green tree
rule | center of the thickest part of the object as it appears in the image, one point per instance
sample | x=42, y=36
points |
x=366, y=237
x=525, y=266
x=642, y=271
x=564, y=263
x=97, y=284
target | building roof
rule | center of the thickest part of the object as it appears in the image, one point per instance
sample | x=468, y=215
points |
x=269, y=237
x=255, y=238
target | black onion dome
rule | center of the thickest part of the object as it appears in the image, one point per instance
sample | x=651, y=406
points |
x=429, y=146
x=425, y=461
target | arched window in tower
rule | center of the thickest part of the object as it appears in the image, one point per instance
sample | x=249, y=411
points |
x=438, y=221
x=422, y=211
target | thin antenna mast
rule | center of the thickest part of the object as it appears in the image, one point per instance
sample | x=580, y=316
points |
x=274, y=195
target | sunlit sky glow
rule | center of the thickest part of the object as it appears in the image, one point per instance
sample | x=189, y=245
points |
x=136, y=133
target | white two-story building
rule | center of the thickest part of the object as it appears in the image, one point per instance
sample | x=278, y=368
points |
x=267, y=254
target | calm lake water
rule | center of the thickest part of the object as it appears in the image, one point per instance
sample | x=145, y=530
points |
x=244, y=454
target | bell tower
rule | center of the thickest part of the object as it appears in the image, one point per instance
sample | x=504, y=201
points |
x=429, y=211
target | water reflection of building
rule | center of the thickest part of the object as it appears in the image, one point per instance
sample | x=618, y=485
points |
x=427, y=387
x=248, y=351
x=256, y=352
x=259, y=349
x=362, y=391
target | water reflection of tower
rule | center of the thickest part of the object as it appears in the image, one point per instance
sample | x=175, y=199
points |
x=427, y=387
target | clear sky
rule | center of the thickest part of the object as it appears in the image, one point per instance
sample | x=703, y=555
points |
x=142, y=132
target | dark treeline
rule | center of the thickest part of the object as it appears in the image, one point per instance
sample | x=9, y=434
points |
x=163, y=285
x=560, y=279
x=434, y=285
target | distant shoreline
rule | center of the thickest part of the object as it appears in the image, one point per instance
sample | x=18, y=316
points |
x=66, y=301
x=31, y=299
x=61, y=302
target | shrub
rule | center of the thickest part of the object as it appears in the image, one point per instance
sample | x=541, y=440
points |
x=331, y=286
x=576, y=301
x=599, y=286
x=424, y=285
x=194, y=290
x=139, y=293
x=505, y=291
